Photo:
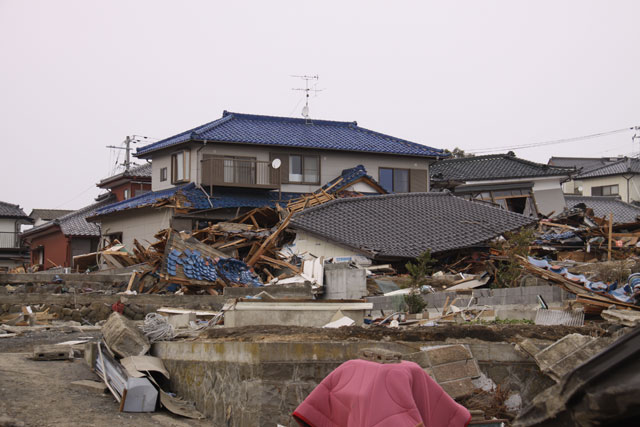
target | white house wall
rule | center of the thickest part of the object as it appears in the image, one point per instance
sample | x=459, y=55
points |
x=634, y=186
x=140, y=224
x=331, y=163
x=8, y=225
x=306, y=242
x=549, y=196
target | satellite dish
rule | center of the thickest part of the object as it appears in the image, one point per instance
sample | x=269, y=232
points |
x=276, y=163
x=305, y=111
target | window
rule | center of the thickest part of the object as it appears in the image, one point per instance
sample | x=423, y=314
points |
x=394, y=180
x=180, y=167
x=139, y=191
x=163, y=174
x=304, y=169
x=127, y=193
x=605, y=190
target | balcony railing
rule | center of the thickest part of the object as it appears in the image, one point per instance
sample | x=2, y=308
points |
x=235, y=172
x=9, y=239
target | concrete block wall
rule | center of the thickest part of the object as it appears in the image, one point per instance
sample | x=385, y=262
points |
x=490, y=297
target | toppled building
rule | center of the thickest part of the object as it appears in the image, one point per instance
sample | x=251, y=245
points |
x=515, y=184
x=400, y=226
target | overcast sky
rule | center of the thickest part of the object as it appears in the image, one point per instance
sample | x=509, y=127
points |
x=76, y=76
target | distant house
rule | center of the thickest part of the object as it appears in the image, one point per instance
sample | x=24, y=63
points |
x=40, y=216
x=515, y=184
x=398, y=227
x=605, y=176
x=603, y=206
x=241, y=161
x=133, y=182
x=12, y=252
x=55, y=243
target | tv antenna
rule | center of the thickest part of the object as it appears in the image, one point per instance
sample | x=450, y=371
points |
x=307, y=89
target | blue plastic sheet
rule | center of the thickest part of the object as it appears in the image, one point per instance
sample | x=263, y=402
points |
x=623, y=294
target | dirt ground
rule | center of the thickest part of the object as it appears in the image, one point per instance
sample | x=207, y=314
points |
x=495, y=332
x=40, y=393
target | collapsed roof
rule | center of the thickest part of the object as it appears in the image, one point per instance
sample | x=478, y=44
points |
x=604, y=205
x=493, y=167
x=405, y=225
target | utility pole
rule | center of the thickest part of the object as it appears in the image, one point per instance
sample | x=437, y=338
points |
x=127, y=148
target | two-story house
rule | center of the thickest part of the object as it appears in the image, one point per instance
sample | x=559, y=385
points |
x=12, y=252
x=242, y=161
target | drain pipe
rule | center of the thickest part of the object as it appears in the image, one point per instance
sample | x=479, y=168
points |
x=199, y=173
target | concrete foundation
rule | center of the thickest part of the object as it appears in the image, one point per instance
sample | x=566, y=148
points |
x=260, y=383
x=294, y=313
x=510, y=298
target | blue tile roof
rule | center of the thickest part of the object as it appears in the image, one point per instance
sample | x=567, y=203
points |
x=195, y=199
x=293, y=132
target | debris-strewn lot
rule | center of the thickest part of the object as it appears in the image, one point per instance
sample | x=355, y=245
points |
x=40, y=394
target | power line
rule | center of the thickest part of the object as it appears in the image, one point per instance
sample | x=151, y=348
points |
x=555, y=141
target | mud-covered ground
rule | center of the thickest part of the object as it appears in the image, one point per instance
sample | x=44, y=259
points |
x=494, y=332
x=37, y=393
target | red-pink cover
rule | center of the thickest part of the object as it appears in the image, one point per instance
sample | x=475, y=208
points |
x=360, y=393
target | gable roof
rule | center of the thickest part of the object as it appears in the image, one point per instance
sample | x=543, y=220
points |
x=405, y=225
x=492, y=167
x=626, y=165
x=351, y=176
x=602, y=205
x=9, y=210
x=75, y=223
x=293, y=132
x=48, y=214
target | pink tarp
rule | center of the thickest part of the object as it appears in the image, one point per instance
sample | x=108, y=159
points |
x=360, y=393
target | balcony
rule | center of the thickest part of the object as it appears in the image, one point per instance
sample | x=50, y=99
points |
x=9, y=240
x=238, y=172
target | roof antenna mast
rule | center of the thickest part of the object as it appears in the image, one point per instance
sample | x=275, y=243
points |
x=307, y=89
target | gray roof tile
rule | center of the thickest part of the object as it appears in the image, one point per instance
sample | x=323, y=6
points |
x=48, y=214
x=603, y=205
x=626, y=165
x=405, y=225
x=11, y=210
x=492, y=167
x=74, y=223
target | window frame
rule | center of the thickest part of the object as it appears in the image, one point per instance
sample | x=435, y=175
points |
x=186, y=163
x=126, y=194
x=163, y=174
x=393, y=178
x=302, y=169
x=601, y=189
